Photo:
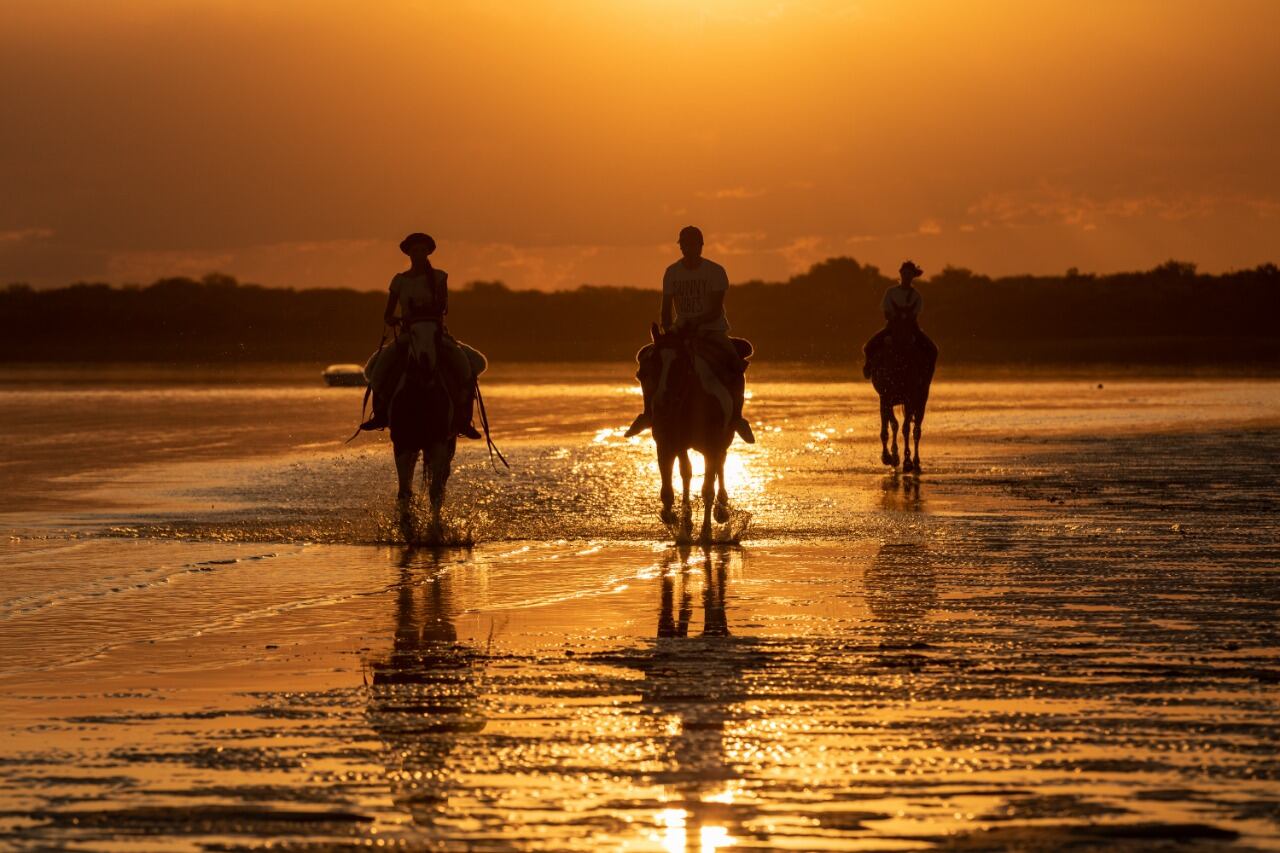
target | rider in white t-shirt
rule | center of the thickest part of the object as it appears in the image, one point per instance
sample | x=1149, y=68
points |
x=693, y=291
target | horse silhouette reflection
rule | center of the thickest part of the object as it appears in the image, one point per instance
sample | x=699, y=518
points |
x=693, y=685
x=426, y=692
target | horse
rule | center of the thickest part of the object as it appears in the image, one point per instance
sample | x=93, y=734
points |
x=422, y=421
x=688, y=417
x=901, y=376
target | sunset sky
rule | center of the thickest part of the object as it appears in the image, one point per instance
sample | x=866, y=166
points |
x=550, y=143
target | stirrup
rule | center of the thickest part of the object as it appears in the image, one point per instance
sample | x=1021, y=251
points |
x=375, y=422
x=642, y=422
x=743, y=429
x=469, y=431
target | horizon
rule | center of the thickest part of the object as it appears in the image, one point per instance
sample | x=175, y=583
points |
x=1072, y=272
x=565, y=147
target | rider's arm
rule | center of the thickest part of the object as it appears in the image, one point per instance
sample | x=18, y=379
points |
x=389, y=313
x=442, y=294
x=668, y=310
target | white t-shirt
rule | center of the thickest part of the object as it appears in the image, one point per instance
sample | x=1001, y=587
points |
x=692, y=289
x=415, y=297
x=900, y=300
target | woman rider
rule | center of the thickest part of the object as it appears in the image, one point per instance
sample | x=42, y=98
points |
x=903, y=303
x=422, y=295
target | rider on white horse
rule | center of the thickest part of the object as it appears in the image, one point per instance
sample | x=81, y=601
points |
x=901, y=303
x=422, y=296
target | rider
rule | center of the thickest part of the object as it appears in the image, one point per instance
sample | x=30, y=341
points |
x=422, y=295
x=693, y=291
x=902, y=302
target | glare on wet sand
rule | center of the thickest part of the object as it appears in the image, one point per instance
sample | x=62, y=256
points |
x=1062, y=633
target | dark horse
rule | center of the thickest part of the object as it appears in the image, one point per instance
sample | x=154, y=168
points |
x=422, y=421
x=901, y=375
x=687, y=417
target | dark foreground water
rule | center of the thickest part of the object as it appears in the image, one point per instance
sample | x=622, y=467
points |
x=1063, y=634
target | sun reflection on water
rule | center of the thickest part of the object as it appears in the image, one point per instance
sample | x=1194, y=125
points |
x=675, y=827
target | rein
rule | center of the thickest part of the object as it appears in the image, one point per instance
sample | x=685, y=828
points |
x=368, y=389
x=484, y=424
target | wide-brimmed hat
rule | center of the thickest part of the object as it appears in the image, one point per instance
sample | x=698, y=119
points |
x=417, y=237
x=909, y=268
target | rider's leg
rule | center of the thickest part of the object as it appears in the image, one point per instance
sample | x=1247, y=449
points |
x=382, y=382
x=871, y=349
x=735, y=382
x=461, y=383
x=928, y=346
x=648, y=380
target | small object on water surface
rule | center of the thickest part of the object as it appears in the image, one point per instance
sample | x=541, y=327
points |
x=344, y=375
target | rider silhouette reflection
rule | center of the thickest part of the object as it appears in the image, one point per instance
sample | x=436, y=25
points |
x=692, y=684
x=425, y=693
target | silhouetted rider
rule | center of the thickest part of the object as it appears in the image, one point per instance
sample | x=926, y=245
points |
x=693, y=292
x=901, y=306
x=421, y=294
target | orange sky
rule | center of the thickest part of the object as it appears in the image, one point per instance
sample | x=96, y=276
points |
x=550, y=143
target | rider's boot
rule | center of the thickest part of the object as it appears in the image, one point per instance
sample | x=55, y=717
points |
x=740, y=425
x=379, y=418
x=466, y=415
x=644, y=420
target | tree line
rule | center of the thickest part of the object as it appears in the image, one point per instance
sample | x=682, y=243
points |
x=1171, y=314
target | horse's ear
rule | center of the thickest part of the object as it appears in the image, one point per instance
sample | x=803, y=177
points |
x=653, y=332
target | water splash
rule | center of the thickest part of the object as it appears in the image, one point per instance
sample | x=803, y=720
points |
x=413, y=524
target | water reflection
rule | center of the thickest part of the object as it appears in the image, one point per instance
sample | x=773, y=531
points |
x=426, y=692
x=901, y=586
x=693, y=685
x=901, y=492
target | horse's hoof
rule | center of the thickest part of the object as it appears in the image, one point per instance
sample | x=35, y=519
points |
x=893, y=460
x=721, y=512
x=668, y=516
x=886, y=458
x=706, y=533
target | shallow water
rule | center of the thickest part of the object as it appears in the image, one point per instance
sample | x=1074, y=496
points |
x=1062, y=633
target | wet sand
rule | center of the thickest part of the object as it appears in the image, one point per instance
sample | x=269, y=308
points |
x=1063, y=633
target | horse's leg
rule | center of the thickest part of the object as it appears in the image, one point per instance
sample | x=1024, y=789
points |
x=893, y=447
x=919, y=420
x=686, y=480
x=714, y=464
x=665, y=460
x=722, y=498
x=406, y=462
x=440, y=457
x=886, y=412
x=908, y=415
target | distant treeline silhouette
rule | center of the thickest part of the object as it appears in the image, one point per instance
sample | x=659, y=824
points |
x=1168, y=315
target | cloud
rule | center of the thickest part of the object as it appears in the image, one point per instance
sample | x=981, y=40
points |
x=731, y=193
x=1086, y=211
x=24, y=235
